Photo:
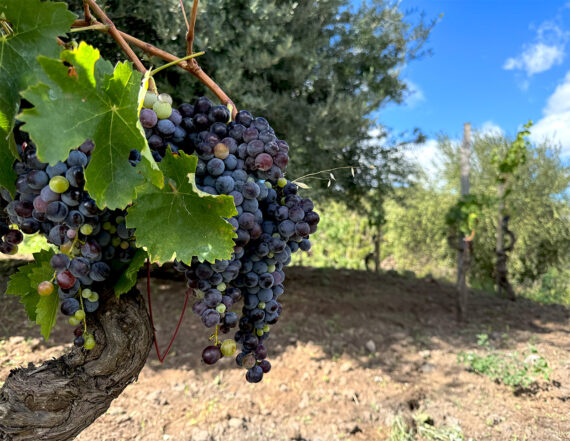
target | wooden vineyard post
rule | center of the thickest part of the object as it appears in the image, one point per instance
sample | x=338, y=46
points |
x=465, y=246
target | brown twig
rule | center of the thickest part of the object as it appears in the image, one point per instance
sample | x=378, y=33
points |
x=184, y=14
x=193, y=68
x=116, y=35
x=190, y=33
x=87, y=12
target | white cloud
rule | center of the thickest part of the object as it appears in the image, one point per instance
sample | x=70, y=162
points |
x=536, y=58
x=414, y=94
x=555, y=123
x=547, y=51
x=492, y=129
x=425, y=155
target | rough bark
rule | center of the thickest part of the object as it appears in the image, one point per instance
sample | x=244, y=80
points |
x=502, y=273
x=462, y=291
x=60, y=398
x=377, y=239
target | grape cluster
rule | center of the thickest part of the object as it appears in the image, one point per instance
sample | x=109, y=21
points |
x=9, y=238
x=243, y=159
x=51, y=200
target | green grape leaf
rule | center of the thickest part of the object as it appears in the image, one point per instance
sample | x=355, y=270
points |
x=129, y=277
x=24, y=283
x=179, y=219
x=87, y=99
x=46, y=313
x=30, y=29
x=7, y=174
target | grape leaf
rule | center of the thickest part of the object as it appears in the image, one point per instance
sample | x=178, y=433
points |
x=33, y=27
x=46, y=313
x=87, y=99
x=24, y=283
x=180, y=220
x=129, y=277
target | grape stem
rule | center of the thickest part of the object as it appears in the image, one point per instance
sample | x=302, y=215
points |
x=314, y=175
x=116, y=35
x=172, y=63
x=160, y=356
x=95, y=27
x=189, y=66
x=83, y=309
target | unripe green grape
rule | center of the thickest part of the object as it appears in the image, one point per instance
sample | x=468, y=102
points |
x=163, y=110
x=271, y=268
x=259, y=332
x=221, y=287
x=282, y=182
x=86, y=229
x=80, y=314
x=86, y=293
x=116, y=241
x=89, y=342
x=221, y=308
x=228, y=347
x=125, y=245
x=199, y=294
x=107, y=225
x=58, y=184
x=94, y=297
x=165, y=98
x=73, y=321
x=268, y=184
x=149, y=99
x=261, y=305
x=266, y=328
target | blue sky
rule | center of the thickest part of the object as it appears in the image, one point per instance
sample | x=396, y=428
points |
x=495, y=64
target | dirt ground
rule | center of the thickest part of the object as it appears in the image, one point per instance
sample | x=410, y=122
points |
x=355, y=355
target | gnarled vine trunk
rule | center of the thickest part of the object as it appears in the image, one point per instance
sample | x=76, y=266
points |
x=60, y=398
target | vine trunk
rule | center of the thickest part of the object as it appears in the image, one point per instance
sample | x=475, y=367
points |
x=62, y=397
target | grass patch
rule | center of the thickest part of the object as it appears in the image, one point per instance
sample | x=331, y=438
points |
x=510, y=368
x=423, y=428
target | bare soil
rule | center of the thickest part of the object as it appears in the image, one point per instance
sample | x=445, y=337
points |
x=353, y=353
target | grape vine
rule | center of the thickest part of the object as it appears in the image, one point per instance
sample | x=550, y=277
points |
x=112, y=174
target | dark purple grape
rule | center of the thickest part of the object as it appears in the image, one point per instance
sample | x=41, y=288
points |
x=75, y=176
x=70, y=306
x=77, y=158
x=37, y=179
x=210, y=318
x=60, y=262
x=211, y=354
x=80, y=267
x=87, y=147
x=56, y=211
x=254, y=374
x=244, y=118
x=14, y=237
x=79, y=341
